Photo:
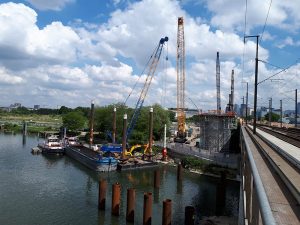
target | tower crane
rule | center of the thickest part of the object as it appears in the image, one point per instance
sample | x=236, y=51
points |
x=180, y=66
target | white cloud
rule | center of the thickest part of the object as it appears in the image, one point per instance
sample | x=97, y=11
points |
x=288, y=41
x=6, y=77
x=23, y=44
x=230, y=14
x=70, y=65
x=56, y=5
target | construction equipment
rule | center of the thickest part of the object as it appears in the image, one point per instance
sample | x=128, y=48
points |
x=180, y=66
x=230, y=108
x=218, y=84
x=151, y=68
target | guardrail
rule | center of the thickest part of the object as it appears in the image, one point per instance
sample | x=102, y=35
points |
x=256, y=207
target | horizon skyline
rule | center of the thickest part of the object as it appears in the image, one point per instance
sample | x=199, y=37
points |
x=68, y=52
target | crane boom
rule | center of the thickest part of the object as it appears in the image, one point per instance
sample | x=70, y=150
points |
x=154, y=59
x=180, y=80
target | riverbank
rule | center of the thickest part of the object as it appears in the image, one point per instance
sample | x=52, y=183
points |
x=199, y=166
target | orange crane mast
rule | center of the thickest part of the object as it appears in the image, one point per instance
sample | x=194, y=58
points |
x=180, y=66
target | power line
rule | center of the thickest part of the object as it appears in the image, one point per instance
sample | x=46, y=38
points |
x=279, y=72
x=245, y=27
x=265, y=22
x=270, y=64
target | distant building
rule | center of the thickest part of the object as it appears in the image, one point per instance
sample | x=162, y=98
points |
x=188, y=112
x=36, y=107
x=276, y=111
x=15, y=105
x=263, y=112
x=243, y=110
x=298, y=108
x=236, y=108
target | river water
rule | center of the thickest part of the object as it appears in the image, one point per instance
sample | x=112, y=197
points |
x=41, y=190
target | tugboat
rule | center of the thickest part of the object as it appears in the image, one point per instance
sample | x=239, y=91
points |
x=93, y=158
x=52, y=145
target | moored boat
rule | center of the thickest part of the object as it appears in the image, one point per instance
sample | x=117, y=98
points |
x=95, y=160
x=52, y=145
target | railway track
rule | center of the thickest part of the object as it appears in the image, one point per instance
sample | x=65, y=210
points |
x=281, y=179
x=290, y=135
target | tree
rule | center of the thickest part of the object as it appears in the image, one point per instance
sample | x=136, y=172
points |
x=64, y=110
x=274, y=117
x=74, y=121
x=140, y=133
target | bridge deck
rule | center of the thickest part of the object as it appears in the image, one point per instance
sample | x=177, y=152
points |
x=283, y=205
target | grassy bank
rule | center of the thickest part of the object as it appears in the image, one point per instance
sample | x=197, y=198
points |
x=35, y=123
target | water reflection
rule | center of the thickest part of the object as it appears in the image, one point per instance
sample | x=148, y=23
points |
x=70, y=190
x=52, y=160
x=24, y=140
x=156, y=195
x=220, y=197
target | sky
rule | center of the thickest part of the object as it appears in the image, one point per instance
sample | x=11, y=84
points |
x=70, y=52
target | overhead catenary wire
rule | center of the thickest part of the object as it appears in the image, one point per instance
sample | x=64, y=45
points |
x=264, y=27
x=278, y=72
x=245, y=27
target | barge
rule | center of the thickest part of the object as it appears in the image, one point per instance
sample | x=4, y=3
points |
x=95, y=160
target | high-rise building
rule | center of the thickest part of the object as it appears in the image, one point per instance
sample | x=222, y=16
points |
x=36, y=107
x=243, y=110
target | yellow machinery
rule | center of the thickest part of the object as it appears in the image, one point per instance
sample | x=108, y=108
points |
x=181, y=134
x=139, y=148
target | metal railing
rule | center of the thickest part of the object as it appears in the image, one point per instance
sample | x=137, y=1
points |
x=256, y=207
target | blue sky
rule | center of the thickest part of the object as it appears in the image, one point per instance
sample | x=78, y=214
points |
x=69, y=52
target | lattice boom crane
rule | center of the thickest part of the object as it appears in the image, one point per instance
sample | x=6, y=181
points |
x=180, y=81
x=150, y=73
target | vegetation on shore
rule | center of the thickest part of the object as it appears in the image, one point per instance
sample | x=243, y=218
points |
x=77, y=119
x=207, y=167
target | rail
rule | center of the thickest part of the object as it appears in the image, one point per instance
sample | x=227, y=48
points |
x=256, y=203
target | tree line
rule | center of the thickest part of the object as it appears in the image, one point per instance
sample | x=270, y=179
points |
x=103, y=121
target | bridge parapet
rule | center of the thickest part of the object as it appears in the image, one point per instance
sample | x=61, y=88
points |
x=255, y=205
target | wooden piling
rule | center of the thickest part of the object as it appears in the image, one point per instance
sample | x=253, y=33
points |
x=167, y=212
x=102, y=194
x=189, y=215
x=124, y=136
x=115, y=200
x=147, y=213
x=24, y=128
x=150, y=132
x=130, y=205
x=92, y=124
x=114, y=126
x=156, y=179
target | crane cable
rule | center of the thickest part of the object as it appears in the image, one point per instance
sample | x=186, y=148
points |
x=164, y=83
x=134, y=86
